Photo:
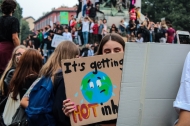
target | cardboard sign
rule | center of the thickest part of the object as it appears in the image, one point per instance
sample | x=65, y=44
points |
x=93, y=84
x=57, y=39
x=150, y=82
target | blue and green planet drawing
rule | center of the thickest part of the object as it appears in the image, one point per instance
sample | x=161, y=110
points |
x=96, y=88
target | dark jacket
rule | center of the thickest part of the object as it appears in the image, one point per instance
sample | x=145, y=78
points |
x=59, y=91
x=6, y=81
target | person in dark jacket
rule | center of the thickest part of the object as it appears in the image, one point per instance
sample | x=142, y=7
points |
x=8, y=74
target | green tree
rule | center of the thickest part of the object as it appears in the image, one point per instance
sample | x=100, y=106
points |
x=175, y=11
x=25, y=30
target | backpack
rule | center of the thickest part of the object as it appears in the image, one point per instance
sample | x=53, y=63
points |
x=41, y=97
x=92, y=12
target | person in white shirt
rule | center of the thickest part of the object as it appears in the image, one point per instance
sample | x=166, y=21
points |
x=91, y=51
x=182, y=102
x=139, y=39
x=67, y=35
x=91, y=41
x=85, y=29
x=70, y=22
x=105, y=30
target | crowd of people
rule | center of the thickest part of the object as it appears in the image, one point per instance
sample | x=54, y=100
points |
x=88, y=33
x=31, y=75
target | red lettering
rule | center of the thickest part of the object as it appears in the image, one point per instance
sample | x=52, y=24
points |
x=93, y=106
x=83, y=111
x=77, y=112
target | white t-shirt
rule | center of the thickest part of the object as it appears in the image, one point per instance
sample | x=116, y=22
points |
x=84, y=2
x=183, y=97
x=67, y=36
x=105, y=29
x=139, y=40
x=71, y=21
x=91, y=26
x=85, y=26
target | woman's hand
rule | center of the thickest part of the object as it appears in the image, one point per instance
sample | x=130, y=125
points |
x=24, y=102
x=68, y=107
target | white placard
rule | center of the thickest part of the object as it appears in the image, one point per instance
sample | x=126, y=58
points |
x=150, y=82
x=57, y=39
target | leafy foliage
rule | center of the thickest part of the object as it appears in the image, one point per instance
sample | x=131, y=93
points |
x=25, y=30
x=175, y=11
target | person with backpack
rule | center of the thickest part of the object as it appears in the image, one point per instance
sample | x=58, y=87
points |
x=25, y=74
x=43, y=101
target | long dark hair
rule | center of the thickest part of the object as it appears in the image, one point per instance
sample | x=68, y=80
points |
x=112, y=36
x=29, y=66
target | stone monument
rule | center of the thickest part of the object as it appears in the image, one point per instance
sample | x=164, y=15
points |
x=114, y=10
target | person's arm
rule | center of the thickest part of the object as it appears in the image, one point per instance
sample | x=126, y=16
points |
x=184, y=118
x=166, y=35
x=15, y=39
x=89, y=19
x=15, y=31
x=24, y=102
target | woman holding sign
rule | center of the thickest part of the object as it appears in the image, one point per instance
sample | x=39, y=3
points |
x=110, y=44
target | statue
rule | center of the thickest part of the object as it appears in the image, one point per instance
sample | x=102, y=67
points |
x=116, y=6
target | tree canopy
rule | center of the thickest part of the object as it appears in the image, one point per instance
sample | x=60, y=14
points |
x=175, y=11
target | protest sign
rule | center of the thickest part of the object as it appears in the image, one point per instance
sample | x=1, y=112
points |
x=64, y=17
x=163, y=21
x=150, y=82
x=93, y=84
x=57, y=39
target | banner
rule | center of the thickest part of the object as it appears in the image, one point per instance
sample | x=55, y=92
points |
x=93, y=84
x=57, y=39
x=64, y=18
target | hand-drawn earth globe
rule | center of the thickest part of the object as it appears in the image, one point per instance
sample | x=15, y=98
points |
x=96, y=88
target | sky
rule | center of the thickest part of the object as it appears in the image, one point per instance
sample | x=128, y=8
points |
x=35, y=8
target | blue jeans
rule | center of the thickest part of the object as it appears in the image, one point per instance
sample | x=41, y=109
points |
x=45, y=49
x=85, y=37
x=84, y=10
x=151, y=37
